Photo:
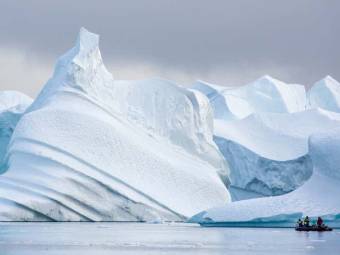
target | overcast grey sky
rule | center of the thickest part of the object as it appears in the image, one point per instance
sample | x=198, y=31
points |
x=223, y=42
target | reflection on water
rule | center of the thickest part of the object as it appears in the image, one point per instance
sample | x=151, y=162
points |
x=141, y=238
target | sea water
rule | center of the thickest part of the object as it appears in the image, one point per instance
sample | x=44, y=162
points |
x=168, y=238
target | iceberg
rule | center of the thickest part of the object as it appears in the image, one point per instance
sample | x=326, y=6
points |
x=317, y=197
x=325, y=94
x=91, y=148
x=262, y=129
x=228, y=103
x=266, y=94
x=12, y=106
x=268, y=152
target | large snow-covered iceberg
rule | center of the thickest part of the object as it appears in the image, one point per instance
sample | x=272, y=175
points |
x=317, y=197
x=12, y=106
x=91, y=148
x=325, y=94
x=266, y=94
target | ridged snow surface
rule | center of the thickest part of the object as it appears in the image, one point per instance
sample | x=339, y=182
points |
x=91, y=148
x=268, y=152
x=12, y=106
x=263, y=95
x=325, y=94
x=317, y=197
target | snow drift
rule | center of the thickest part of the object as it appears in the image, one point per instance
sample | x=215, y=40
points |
x=317, y=197
x=91, y=148
x=12, y=106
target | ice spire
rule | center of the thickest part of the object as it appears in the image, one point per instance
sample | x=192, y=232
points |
x=85, y=54
x=81, y=70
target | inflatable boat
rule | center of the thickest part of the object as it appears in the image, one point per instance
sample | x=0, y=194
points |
x=313, y=228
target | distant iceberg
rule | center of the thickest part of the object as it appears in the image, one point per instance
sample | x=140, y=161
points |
x=266, y=94
x=12, y=105
x=325, y=94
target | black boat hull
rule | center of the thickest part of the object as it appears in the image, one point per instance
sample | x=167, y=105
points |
x=319, y=229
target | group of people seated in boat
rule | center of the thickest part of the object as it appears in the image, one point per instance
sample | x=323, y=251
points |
x=306, y=223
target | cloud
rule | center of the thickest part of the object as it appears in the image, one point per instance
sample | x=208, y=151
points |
x=23, y=72
x=224, y=42
x=27, y=71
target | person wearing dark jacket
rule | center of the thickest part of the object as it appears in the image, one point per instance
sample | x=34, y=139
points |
x=319, y=222
x=299, y=223
x=306, y=221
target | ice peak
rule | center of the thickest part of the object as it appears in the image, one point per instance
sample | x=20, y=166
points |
x=87, y=41
x=81, y=68
x=85, y=54
x=267, y=78
x=328, y=80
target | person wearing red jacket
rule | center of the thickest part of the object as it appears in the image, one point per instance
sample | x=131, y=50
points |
x=319, y=222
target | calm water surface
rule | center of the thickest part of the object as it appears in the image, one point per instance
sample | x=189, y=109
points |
x=141, y=238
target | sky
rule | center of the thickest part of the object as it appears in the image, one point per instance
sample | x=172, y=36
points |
x=229, y=43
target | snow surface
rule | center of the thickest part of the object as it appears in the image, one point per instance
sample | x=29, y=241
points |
x=317, y=197
x=266, y=94
x=12, y=106
x=90, y=148
x=325, y=94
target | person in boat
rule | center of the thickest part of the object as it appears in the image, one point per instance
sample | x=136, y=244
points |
x=319, y=222
x=306, y=222
x=299, y=223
